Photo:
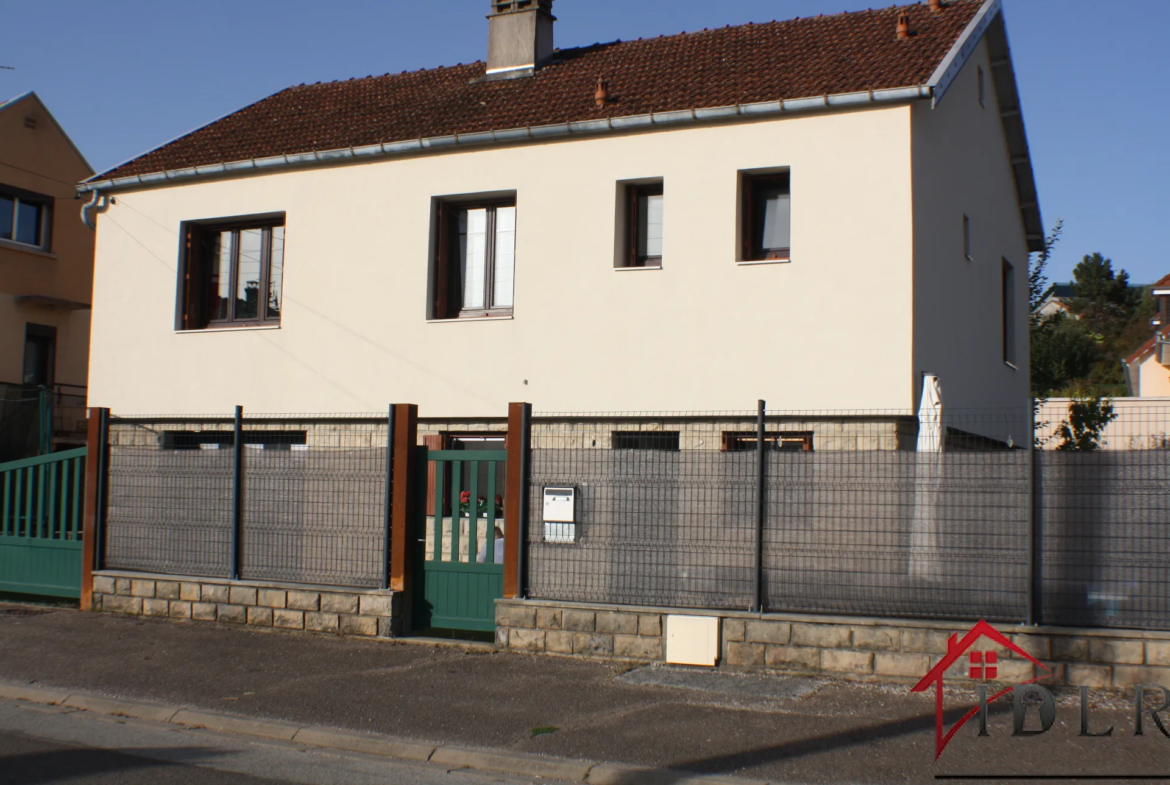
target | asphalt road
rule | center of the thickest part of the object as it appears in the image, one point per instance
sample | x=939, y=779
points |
x=45, y=744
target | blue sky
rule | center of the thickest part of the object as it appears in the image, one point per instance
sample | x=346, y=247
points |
x=123, y=76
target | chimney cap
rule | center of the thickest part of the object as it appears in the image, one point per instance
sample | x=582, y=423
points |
x=903, y=27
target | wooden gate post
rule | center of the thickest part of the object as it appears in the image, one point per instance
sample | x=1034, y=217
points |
x=403, y=502
x=95, y=471
x=516, y=498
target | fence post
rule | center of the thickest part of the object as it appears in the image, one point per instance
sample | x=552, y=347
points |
x=237, y=491
x=404, y=499
x=758, y=596
x=1033, y=615
x=95, y=470
x=516, y=497
x=387, y=513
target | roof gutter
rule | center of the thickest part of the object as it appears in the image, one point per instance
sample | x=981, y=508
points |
x=682, y=117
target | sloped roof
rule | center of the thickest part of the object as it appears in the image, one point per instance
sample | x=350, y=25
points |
x=825, y=55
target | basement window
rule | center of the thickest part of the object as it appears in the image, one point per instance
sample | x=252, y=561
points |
x=765, y=218
x=646, y=440
x=224, y=440
x=475, y=261
x=232, y=274
x=786, y=441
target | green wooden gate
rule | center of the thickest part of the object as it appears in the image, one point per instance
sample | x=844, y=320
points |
x=42, y=501
x=459, y=570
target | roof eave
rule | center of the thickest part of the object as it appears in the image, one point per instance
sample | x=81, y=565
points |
x=743, y=112
x=989, y=23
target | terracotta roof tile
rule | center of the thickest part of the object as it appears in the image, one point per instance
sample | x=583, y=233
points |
x=844, y=53
x=1163, y=284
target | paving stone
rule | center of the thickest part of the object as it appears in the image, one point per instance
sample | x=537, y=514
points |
x=793, y=657
x=339, y=603
x=901, y=664
x=260, y=617
x=1069, y=649
x=1109, y=652
x=877, y=638
x=203, y=611
x=374, y=605
x=235, y=614
x=214, y=592
x=1085, y=675
x=548, y=618
x=288, y=619
x=271, y=598
x=190, y=592
x=617, y=623
x=180, y=609
x=745, y=655
x=104, y=585
x=579, y=621
x=590, y=644
x=774, y=632
x=1129, y=676
x=242, y=595
x=638, y=647
x=925, y=641
x=359, y=625
x=141, y=588
x=652, y=625
x=516, y=616
x=734, y=629
x=117, y=603
x=304, y=600
x=558, y=641
x=122, y=586
x=524, y=639
x=322, y=622
x=153, y=607
x=840, y=661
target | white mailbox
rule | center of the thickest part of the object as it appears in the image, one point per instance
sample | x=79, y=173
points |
x=559, y=521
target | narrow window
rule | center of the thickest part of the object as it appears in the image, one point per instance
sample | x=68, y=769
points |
x=40, y=348
x=24, y=217
x=1009, y=314
x=766, y=216
x=475, y=263
x=644, y=226
x=233, y=274
x=967, y=238
x=215, y=440
x=646, y=440
x=980, y=83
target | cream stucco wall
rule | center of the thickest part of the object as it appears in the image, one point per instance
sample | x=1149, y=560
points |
x=1153, y=378
x=48, y=165
x=703, y=333
x=962, y=167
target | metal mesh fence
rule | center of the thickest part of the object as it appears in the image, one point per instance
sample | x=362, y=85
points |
x=168, y=510
x=314, y=502
x=20, y=409
x=1105, y=538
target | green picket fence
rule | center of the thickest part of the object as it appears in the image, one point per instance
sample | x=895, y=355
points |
x=42, y=501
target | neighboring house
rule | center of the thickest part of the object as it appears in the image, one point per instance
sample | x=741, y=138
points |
x=1148, y=368
x=46, y=273
x=1056, y=300
x=815, y=212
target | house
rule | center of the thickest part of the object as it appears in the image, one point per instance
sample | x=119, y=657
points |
x=782, y=210
x=1148, y=368
x=46, y=275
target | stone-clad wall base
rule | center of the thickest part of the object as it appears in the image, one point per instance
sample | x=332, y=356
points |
x=367, y=613
x=846, y=648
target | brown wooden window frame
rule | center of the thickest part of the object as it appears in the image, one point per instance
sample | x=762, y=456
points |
x=45, y=226
x=195, y=287
x=447, y=300
x=786, y=441
x=751, y=235
x=634, y=194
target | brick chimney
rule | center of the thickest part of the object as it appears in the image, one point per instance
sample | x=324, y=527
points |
x=520, y=37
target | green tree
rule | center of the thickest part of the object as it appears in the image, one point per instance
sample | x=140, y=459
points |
x=1087, y=417
x=1100, y=296
x=1064, y=353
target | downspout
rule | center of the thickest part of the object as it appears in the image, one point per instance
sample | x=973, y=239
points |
x=98, y=203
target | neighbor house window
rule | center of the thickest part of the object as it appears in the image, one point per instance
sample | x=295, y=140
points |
x=24, y=217
x=644, y=219
x=788, y=441
x=475, y=264
x=766, y=214
x=1009, y=314
x=225, y=440
x=233, y=274
x=646, y=440
x=967, y=238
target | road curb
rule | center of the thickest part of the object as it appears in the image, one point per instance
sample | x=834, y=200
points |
x=453, y=757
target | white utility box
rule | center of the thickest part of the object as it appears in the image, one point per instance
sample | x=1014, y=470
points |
x=559, y=515
x=692, y=640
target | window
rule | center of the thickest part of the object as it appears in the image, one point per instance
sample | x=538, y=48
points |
x=646, y=440
x=788, y=441
x=475, y=263
x=224, y=440
x=1009, y=314
x=233, y=274
x=967, y=238
x=24, y=217
x=40, y=347
x=766, y=216
x=644, y=217
x=980, y=85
